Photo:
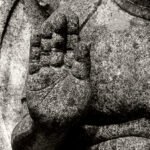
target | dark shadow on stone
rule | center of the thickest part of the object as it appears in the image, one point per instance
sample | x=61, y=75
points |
x=76, y=139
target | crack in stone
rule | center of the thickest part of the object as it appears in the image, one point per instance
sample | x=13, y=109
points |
x=133, y=9
x=96, y=5
x=14, y=5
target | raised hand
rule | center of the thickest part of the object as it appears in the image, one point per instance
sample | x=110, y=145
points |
x=58, y=86
x=58, y=83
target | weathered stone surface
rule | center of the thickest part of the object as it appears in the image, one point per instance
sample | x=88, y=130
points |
x=128, y=143
x=16, y=20
x=136, y=128
x=68, y=59
x=136, y=7
x=21, y=131
x=56, y=23
x=84, y=9
x=6, y=10
x=48, y=5
x=72, y=22
x=119, y=73
x=35, y=54
x=45, y=105
x=120, y=61
x=13, y=65
x=72, y=42
x=57, y=59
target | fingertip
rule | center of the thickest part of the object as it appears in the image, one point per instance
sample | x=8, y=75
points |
x=81, y=70
x=82, y=53
x=34, y=53
x=35, y=39
x=56, y=59
x=72, y=22
x=55, y=23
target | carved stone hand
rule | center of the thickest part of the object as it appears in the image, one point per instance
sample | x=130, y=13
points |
x=58, y=83
x=58, y=86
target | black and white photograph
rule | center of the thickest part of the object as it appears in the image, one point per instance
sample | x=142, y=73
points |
x=74, y=74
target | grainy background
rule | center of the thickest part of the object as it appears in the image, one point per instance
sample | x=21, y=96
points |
x=18, y=19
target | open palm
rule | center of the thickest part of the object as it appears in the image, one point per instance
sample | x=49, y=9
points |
x=58, y=82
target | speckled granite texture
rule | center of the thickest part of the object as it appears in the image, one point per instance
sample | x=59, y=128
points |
x=88, y=80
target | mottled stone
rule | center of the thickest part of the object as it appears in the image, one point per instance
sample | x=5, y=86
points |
x=136, y=128
x=128, y=143
x=5, y=8
x=58, y=98
x=46, y=34
x=49, y=5
x=65, y=108
x=72, y=22
x=14, y=54
x=56, y=59
x=57, y=50
x=40, y=80
x=58, y=41
x=46, y=106
x=35, y=40
x=136, y=7
x=21, y=131
x=82, y=52
x=84, y=9
x=17, y=18
x=68, y=59
x=81, y=70
x=55, y=23
x=45, y=60
x=34, y=67
x=72, y=42
x=34, y=53
x=119, y=62
x=46, y=45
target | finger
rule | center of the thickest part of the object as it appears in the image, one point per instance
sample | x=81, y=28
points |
x=34, y=53
x=72, y=22
x=55, y=23
x=58, y=47
x=81, y=65
x=72, y=37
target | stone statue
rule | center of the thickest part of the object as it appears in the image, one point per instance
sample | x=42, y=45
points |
x=88, y=81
